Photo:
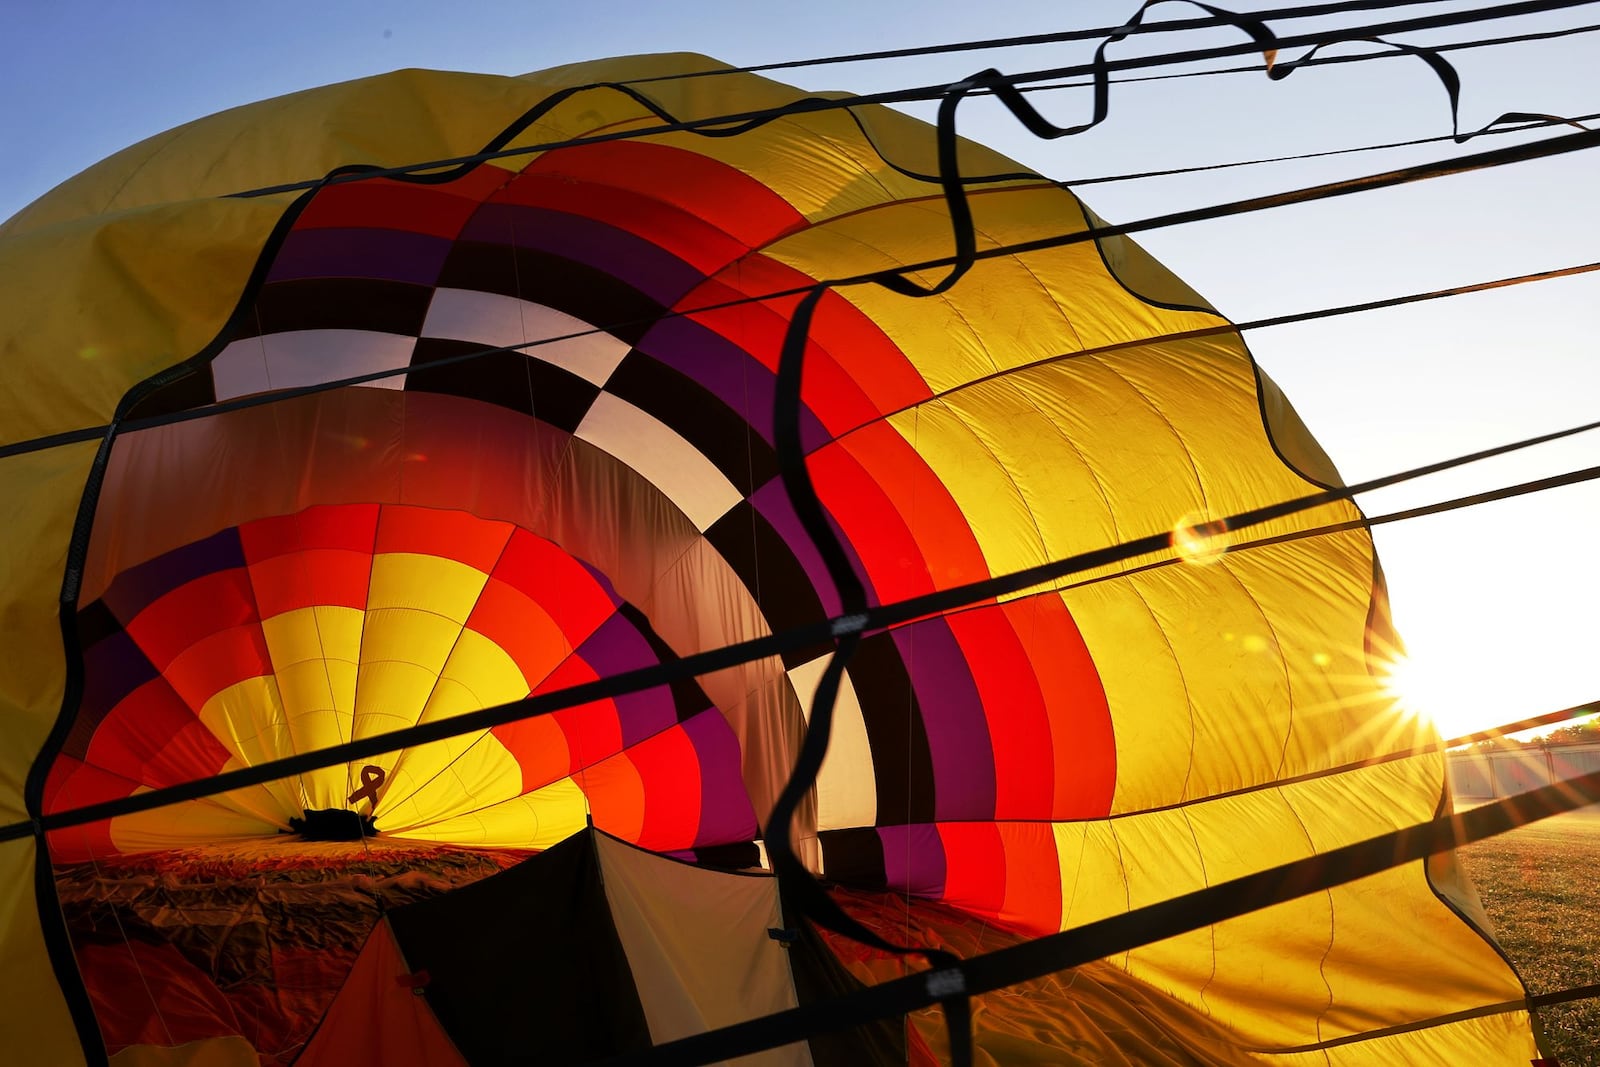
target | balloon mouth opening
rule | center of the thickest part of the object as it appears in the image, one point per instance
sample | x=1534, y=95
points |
x=333, y=824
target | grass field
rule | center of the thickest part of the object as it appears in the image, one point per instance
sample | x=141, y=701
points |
x=1541, y=886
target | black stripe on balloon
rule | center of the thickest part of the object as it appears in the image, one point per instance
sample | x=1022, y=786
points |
x=798, y=884
x=699, y=416
x=688, y=699
x=584, y=292
x=374, y=304
x=519, y=381
x=767, y=566
x=902, y=762
x=853, y=857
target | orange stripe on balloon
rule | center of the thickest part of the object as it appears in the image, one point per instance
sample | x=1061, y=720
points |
x=1033, y=877
x=455, y=535
x=216, y=662
x=522, y=628
x=317, y=577
x=594, y=730
x=153, y=738
x=1081, y=738
x=922, y=502
x=545, y=574
x=616, y=797
x=540, y=748
x=892, y=557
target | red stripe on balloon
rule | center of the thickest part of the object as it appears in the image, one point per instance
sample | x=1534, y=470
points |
x=1019, y=728
x=455, y=535
x=727, y=198
x=381, y=203
x=179, y=619
x=1081, y=738
x=315, y=577
x=670, y=773
x=351, y=527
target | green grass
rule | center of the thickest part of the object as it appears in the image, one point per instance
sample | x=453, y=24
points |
x=1541, y=887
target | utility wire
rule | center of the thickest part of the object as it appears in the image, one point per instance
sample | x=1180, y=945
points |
x=1322, y=61
x=1122, y=933
x=1062, y=37
x=736, y=122
x=1532, y=124
x=1462, y=164
x=874, y=618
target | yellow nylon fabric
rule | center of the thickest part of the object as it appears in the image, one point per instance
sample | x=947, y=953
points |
x=134, y=266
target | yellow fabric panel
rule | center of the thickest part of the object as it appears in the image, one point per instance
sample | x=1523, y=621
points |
x=1500, y=1040
x=247, y=717
x=120, y=298
x=41, y=493
x=533, y=820
x=212, y=1052
x=314, y=655
x=697, y=945
x=232, y=816
x=467, y=772
x=1251, y=974
x=33, y=1015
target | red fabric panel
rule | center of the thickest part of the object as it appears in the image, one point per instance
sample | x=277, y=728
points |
x=616, y=798
x=216, y=662
x=1033, y=877
x=545, y=574
x=378, y=1019
x=72, y=784
x=937, y=525
x=182, y=618
x=522, y=628
x=453, y=535
x=152, y=737
x=313, y=578
x=679, y=232
x=352, y=527
x=1019, y=728
x=594, y=730
x=120, y=979
x=975, y=867
x=382, y=203
x=669, y=771
x=540, y=749
x=878, y=533
x=1084, y=748
x=725, y=197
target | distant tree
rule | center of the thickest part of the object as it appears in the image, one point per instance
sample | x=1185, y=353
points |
x=1575, y=734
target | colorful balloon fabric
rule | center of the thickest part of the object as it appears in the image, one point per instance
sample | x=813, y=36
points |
x=394, y=449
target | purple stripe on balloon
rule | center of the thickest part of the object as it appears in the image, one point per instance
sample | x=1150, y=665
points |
x=138, y=587
x=773, y=504
x=395, y=255
x=726, y=814
x=952, y=715
x=631, y=259
x=603, y=582
x=727, y=372
x=913, y=859
x=616, y=647
x=112, y=668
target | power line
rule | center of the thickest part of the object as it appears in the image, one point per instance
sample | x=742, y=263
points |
x=1061, y=37
x=739, y=122
x=874, y=618
x=1137, y=927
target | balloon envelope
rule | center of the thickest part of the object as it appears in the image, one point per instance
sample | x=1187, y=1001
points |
x=518, y=435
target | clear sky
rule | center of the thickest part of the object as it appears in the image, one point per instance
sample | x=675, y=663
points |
x=1500, y=604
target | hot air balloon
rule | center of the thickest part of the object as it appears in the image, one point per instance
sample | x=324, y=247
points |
x=296, y=469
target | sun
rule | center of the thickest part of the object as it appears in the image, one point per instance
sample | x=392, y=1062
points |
x=1457, y=694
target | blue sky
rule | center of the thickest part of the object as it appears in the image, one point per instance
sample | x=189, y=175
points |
x=1497, y=603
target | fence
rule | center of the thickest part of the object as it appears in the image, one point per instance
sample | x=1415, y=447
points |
x=1484, y=774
